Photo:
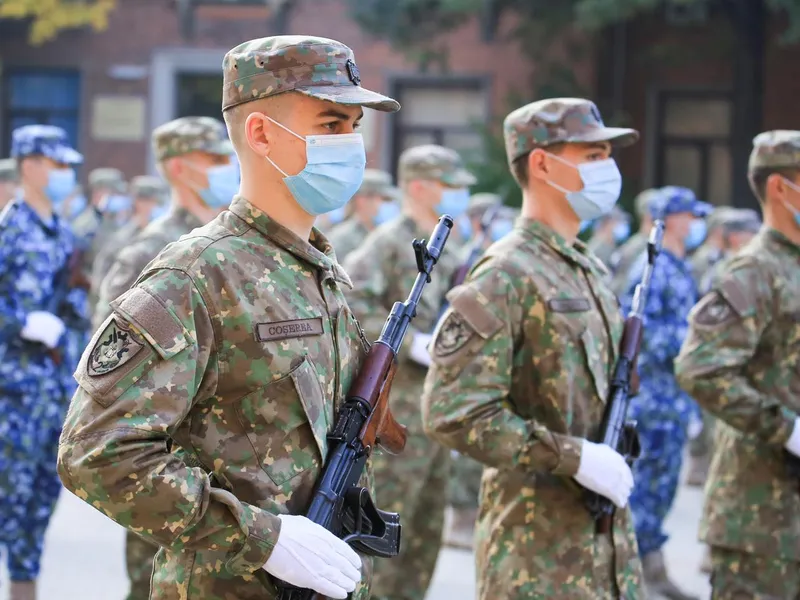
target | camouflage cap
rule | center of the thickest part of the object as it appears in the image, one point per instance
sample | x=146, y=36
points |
x=44, y=140
x=643, y=202
x=557, y=121
x=8, y=169
x=434, y=163
x=718, y=216
x=741, y=220
x=481, y=202
x=147, y=186
x=314, y=66
x=777, y=149
x=191, y=134
x=377, y=182
x=112, y=179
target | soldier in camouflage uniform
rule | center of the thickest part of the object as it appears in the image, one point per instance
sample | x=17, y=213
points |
x=434, y=182
x=375, y=203
x=193, y=153
x=206, y=397
x=521, y=367
x=740, y=362
x=625, y=256
x=35, y=311
x=148, y=194
x=608, y=233
x=8, y=181
x=712, y=249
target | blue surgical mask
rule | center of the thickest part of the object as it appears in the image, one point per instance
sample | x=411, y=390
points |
x=159, y=211
x=76, y=207
x=602, y=184
x=621, y=231
x=500, y=228
x=117, y=203
x=585, y=225
x=60, y=184
x=454, y=202
x=333, y=173
x=223, y=184
x=386, y=212
x=696, y=235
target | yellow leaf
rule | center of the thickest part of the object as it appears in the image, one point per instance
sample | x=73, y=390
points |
x=49, y=17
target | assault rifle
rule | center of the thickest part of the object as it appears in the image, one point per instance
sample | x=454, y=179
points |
x=616, y=430
x=364, y=421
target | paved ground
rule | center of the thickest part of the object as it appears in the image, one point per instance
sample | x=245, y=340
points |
x=84, y=556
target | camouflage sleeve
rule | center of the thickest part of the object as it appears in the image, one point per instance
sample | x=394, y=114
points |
x=370, y=268
x=465, y=403
x=139, y=379
x=725, y=330
x=12, y=276
x=124, y=272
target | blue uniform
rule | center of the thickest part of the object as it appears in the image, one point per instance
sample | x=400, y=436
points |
x=34, y=256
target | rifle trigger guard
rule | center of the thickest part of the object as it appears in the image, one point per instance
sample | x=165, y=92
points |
x=631, y=446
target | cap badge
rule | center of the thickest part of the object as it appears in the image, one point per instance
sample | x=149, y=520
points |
x=352, y=72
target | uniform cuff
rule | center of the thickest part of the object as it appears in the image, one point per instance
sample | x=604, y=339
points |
x=263, y=531
x=569, y=455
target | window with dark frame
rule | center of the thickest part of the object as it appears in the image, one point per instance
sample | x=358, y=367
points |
x=693, y=145
x=198, y=95
x=443, y=112
x=41, y=96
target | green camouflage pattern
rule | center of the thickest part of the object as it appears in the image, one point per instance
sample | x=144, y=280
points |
x=234, y=349
x=779, y=149
x=347, y=236
x=190, y=134
x=464, y=487
x=103, y=263
x=314, y=66
x=522, y=362
x=139, y=555
x=8, y=169
x=434, y=163
x=481, y=202
x=739, y=362
x=112, y=180
x=624, y=259
x=741, y=576
x=414, y=484
x=131, y=260
x=557, y=121
x=147, y=186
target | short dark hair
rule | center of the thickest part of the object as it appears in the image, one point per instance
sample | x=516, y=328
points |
x=758, y=178
x=519, y=169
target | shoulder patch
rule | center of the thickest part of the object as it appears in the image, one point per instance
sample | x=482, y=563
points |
x=713, y=310
x=452, y=334
x=114, y=347
x=473, y=307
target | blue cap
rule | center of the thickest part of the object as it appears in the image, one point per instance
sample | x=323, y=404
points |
x=673, y=200
x=44, y=140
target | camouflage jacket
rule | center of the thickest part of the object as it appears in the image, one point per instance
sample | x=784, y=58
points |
x=521, y=367
x=740, y=362
x=133, y=258
x=235, y=347
x=623, y=260
x=705, y=257
x=346, y=237
x=602, y=249
x=34, y=258
x=92, y=230
x=106, y=258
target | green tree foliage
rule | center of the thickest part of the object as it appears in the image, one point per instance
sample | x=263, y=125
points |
x=51, y=16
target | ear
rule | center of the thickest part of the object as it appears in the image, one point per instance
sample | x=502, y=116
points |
x=257, y=133
x=537, y=164
x=174, y=167
x=775, y=186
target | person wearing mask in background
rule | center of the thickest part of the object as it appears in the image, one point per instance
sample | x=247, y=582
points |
x=8, y=181
x=35, y=310
x=739, y=361
x=609, y=232
x=375, y=203
x=206, y=430
x=661, y=409
x=148, y=194
x=521, y=363
x=623, y=258
x=193, y=155
x=713, y=247
x=434, y=182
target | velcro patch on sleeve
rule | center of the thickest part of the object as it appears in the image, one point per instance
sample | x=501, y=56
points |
x=474, y=309
x=160, y=327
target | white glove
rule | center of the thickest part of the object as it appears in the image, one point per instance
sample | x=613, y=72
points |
x=793, y=445
x=309, y=556
x=419, y=349
x=603, y=470
x=44, y=327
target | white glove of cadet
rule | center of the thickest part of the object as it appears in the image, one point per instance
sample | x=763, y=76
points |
x=44, y=327
x=309, y=556
x=793, y=445
x=603, y=470
x=419, y=349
